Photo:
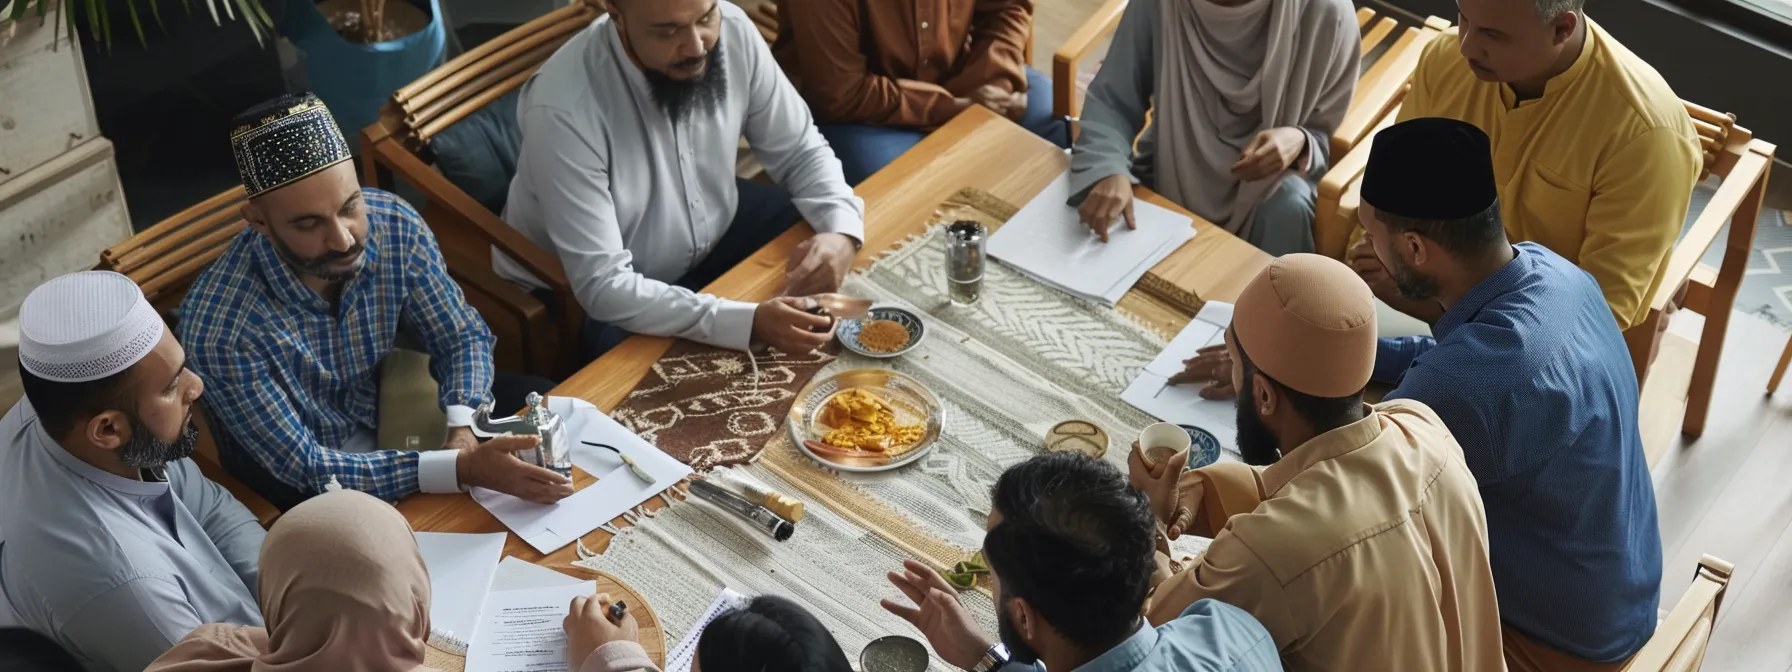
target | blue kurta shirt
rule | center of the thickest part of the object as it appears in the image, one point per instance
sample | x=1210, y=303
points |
x=1209, y=636
x=1531, y=374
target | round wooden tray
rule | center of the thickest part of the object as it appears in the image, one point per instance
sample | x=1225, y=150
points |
x=653, y=638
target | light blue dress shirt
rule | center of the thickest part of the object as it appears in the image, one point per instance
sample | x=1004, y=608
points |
x=1209, y=636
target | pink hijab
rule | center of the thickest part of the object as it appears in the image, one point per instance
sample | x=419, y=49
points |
x=343, y=589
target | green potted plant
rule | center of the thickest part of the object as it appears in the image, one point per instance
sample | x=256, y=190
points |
x=97, y=15
x=357, y=52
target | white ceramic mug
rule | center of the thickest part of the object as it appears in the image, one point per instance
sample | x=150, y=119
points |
x=1162, y=440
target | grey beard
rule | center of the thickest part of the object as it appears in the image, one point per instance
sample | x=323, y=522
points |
x=145, y=451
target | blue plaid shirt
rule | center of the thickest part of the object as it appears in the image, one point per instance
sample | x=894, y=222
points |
x=290, y=378
x=1530, y=372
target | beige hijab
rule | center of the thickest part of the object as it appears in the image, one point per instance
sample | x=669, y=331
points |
x=343, y=589
x=1228, y=72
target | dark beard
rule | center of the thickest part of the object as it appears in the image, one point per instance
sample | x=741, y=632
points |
x=681, y=98
x=319, y=266
x=145, y=451
x=1412, y=285
x=1257, y=446
x=1018, y=651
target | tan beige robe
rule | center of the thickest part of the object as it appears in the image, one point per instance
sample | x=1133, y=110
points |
x=1363, y=549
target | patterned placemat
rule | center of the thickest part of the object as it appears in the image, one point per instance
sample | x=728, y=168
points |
x=712, y=407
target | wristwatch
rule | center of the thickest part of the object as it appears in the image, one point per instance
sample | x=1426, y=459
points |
x=993, y=659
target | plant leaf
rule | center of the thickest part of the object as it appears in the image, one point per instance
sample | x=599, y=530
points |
x=106, y=23
x=212, y=6
x=229, y=13
x=136, y=23
x=155, y=10
x=249, y=18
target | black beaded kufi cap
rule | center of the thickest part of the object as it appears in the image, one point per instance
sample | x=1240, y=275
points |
x=284, y=140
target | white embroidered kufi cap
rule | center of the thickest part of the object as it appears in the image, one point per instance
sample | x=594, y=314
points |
x=86, y=326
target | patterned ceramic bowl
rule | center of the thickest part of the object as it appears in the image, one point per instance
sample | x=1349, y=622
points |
x=848, y=331
x=914, y=405
x=1206, y=448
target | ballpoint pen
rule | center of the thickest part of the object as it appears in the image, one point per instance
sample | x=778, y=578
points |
x=633, y=466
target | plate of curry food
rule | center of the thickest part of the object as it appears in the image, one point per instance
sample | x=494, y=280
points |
x=865, y=420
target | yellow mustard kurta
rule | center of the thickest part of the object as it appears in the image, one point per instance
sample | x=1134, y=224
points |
x=1367, y=550
x=1598, y=170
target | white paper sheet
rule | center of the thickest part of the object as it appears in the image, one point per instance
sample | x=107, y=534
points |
x=549, y=527
x=524, y=630
x=460, y=566
x=1182, y=404
x=681, y=657
x=517, y=574
x=1048, y=242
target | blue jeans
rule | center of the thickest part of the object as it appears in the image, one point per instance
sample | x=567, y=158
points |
x=763, y=213
x=863, y=149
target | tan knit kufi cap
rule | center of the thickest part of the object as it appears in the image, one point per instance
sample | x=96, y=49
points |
x=1309, y=322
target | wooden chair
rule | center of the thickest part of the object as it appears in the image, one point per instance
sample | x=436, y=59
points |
x=1681, y=639
x=1378, y=89
x=1733, y=154
x=164, y=260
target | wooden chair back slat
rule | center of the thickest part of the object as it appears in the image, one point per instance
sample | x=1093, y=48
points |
x=1372, y=37
x=166, y=258
x=529, y=51
x=494, y=81
x=1363, y=16
x=460, y=87
x=481, y=100
x=575, y=12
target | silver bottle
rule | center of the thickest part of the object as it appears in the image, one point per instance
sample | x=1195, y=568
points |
x=553, y=453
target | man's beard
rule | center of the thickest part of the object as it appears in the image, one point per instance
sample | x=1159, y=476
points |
x=1412, y=285
x=1257, y=446
x=680, y=98
x=319, y=266
x=1018, y=650
x=145, y=451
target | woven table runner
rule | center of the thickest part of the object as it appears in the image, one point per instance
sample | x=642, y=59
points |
x=712, y=407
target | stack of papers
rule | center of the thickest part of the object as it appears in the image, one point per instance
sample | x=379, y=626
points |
x=511, y=612
x=549, y=527
x=1047, y=241
x=1152, y=393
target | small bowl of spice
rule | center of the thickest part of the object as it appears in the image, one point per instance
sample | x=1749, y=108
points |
x=885, y=332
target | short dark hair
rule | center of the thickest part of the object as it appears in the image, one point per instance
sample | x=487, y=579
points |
x=1465, y=238
x=1075, y=541
x=23, y=650
x=60, y=405
x=1323, y=413
x=770, y=633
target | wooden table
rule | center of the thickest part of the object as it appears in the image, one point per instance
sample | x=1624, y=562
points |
x=977, y=149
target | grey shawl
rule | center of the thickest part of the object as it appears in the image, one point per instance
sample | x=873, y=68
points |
x=1217, y=75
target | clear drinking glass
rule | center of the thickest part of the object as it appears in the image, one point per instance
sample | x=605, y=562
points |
x=964, y=261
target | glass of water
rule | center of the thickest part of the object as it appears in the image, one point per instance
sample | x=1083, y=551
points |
x=964, y=261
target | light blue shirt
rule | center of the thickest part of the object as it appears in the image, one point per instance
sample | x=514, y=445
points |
x=1209, y=636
